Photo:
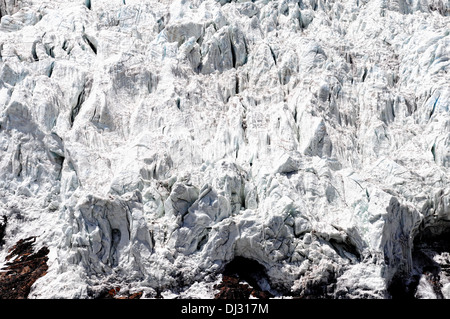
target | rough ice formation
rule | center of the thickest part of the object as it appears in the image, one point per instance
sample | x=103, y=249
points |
x=148, y=143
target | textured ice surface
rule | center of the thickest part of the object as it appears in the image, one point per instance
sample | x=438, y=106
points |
x=148, y=143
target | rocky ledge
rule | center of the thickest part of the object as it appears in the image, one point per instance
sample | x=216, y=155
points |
x=114, y=293
x=23, y=267
x=232, y=288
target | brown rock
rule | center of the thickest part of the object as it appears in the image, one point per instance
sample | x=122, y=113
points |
x=3, y=229
x=230, y=288
x=20, y=274
x=113, y=293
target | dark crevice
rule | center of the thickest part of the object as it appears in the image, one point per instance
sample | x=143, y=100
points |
x=19, y=160
x=349, y=58
x=391, y=107
x=295, y=115
x=364, y=75
x=346, y=246
x=433, y=151
x=273, y=55
x=115, y=239
x=33, y=51
x=434, y=108
x=89, y=42
x=399, y=288
x=50, y=70
x=49, y=51
x=76, y=109
x=203, y=241
x=59, y=162
x=67, y=47
x=152, y=238
x=3, y=224
x=233, y=55
x=431, y=242
x=246, y=269
x=198, y=69
x=241, y=270
x=161, y=24
x=20, y=170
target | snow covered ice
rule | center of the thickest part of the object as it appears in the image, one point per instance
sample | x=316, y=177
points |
x=149, y=143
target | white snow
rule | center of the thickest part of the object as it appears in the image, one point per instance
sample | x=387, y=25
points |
x=148, y=143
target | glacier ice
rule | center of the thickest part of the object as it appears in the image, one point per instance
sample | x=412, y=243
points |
x=149, y=143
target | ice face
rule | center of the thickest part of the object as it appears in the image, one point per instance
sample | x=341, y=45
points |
x=149, y=144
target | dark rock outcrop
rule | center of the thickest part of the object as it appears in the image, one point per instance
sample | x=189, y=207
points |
x=231, y=288
x=24, y=266
x=114, y=293
x=3, y=229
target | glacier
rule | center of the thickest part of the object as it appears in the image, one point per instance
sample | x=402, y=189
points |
x=148, y=144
